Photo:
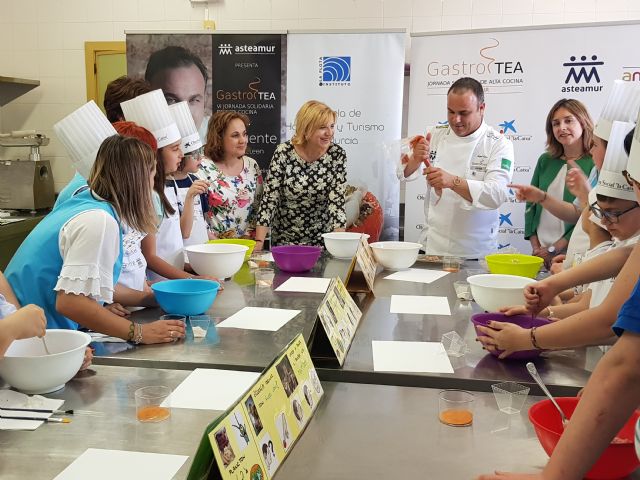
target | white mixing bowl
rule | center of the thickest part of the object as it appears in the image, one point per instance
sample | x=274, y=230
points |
x=492, y=291
x=343, y=244
x=27, y=367
x=217, y=260
x=396, y=255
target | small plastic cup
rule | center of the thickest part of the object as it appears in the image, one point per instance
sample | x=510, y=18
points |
x=149, y=407
x=173, y=316
x=455, y=408
x=463, y=290
x=264, y=277
x=451, y=264
x=199, y=326
x=510, y=396
x=454, y=345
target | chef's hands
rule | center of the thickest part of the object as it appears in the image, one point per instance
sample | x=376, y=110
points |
x=504, y=336
x=527, y=193
x=420, y=148
x=439, y=178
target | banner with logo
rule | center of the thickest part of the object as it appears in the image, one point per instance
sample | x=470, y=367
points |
x=242, y=72
x=524, y=72
x=248, y=71
x=359, y=75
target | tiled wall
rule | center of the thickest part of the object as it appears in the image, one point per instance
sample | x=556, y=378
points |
x=44, y=39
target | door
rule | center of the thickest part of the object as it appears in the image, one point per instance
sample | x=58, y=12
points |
x=105, y=61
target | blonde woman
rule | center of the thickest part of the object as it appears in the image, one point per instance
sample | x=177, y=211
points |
x=304, y=189
x=75, y=253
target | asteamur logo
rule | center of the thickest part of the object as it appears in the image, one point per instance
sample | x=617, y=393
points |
x=334, y=71
x=224, y=49
x=583, y=70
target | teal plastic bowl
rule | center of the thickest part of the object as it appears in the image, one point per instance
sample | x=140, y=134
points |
x=185, y=296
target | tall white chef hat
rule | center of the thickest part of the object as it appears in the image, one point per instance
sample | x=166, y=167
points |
x=81, y=133
x=187, y=127
x=150, y=110
x=622, y=105
x=633, y=164
x=611, y=181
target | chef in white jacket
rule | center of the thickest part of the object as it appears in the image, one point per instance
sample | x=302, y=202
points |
x=468, y=166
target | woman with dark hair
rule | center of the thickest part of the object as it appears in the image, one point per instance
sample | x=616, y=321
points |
x=235, y=179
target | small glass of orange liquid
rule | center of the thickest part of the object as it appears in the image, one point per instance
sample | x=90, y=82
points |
x=152, y=403
x=455, y=408
x=451, y=264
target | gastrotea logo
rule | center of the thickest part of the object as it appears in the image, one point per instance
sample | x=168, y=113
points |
x=335, y=70
x=224, y=49
x=583, y=70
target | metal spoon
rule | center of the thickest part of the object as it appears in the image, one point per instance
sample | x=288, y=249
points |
x=46, y=349
x=534, y=373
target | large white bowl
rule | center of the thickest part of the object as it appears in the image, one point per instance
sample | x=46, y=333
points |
x=27, y=367
x=492, y=291
x=217, y=260
x=396, y=255
x=343, y=244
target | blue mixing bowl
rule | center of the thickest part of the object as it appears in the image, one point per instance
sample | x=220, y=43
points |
x=185, y=296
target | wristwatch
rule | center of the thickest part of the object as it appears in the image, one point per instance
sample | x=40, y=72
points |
x=551, y=249
x=456, y=181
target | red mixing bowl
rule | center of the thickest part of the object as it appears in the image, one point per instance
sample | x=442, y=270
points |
x=617, y=461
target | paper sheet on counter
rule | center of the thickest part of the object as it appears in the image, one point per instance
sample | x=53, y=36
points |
x=305, y=284
x=259, y=318
x=416, y=357
x=11, y=399
x=211, y=389
x=419, y=275
x=99, y=464
x=420, y=305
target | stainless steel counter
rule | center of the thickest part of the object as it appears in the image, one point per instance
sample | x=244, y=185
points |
x=359, y=431
x=565, y=372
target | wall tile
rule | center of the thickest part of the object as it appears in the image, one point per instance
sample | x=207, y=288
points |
x=50, y=36
x=612, y=16
x=426, y=24
x=257, y=9
x=23, y=36
x=126, y=10
x=517, y=20
x=517, y=7
x=151, y=10
x=611, y=6
x=99, y=11
x=285, y=24
x=547, y=18
x=487, y=7
x=579, y=17
x=50, y=63
x=370, y=23
x=285, y=9
x=25, y=64
x=579, y=5
x=397, y=8
x=486, y=21
x=456, y=22
x=49, y=12
x=426, y=8
x=119, y=29
x=74, y=10
x=398, y=22
x=75, y=90
x=457, y=7
x=19, y=11
x=548, y=6
x=177, y=10
x=370, y=8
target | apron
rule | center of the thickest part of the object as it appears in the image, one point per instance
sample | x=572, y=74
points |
x=199, y=229
x=134, y=265
x=169, y=244
x=452, y=227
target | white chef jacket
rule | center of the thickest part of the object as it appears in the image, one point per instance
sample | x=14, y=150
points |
x=453, y=225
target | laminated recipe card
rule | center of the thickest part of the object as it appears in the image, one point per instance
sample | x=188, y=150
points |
x=363, y=268
x=254, y=436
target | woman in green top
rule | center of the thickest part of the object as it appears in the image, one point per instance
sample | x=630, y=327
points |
x=560, y=174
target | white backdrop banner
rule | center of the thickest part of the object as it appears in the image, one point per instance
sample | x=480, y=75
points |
x=524, y=72
x=360, y=75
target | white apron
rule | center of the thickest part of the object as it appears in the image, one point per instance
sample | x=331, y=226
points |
x=452, y=227
x=169, y=245
x=199, y=229
x=134, y=265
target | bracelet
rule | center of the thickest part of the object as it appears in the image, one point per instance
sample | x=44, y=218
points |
x=131, y=334
x=532, y=333
x=550, y=312
x=543, y=198
x=138, y=337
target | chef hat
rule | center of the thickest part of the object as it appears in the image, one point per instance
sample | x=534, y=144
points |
x=622, y=105
x=151, y=111
x=633, y=164
x=81, y=133
x=611, y=182
x=187, y=127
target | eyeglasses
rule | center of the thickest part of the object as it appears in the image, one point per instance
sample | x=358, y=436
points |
x=196, y=154
x=611, y=217
x=630, y=179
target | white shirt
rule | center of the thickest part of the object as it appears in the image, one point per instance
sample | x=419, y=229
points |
x=551, y=228
x=89, y=245
x=6, y=308
x=453, y=225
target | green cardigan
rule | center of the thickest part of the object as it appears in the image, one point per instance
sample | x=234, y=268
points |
x=545, y=172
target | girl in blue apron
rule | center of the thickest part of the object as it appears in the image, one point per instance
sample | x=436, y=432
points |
x=72, y=260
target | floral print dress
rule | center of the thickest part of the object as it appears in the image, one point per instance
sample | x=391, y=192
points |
x=302, y=200
x=233, y=200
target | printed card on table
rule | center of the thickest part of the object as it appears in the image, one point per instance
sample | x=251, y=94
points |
x=339, y=318
x=362, y=278
x=253, y=437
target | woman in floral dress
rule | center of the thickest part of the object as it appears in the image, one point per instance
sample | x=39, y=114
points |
x=304, y=192
x=235, y=179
